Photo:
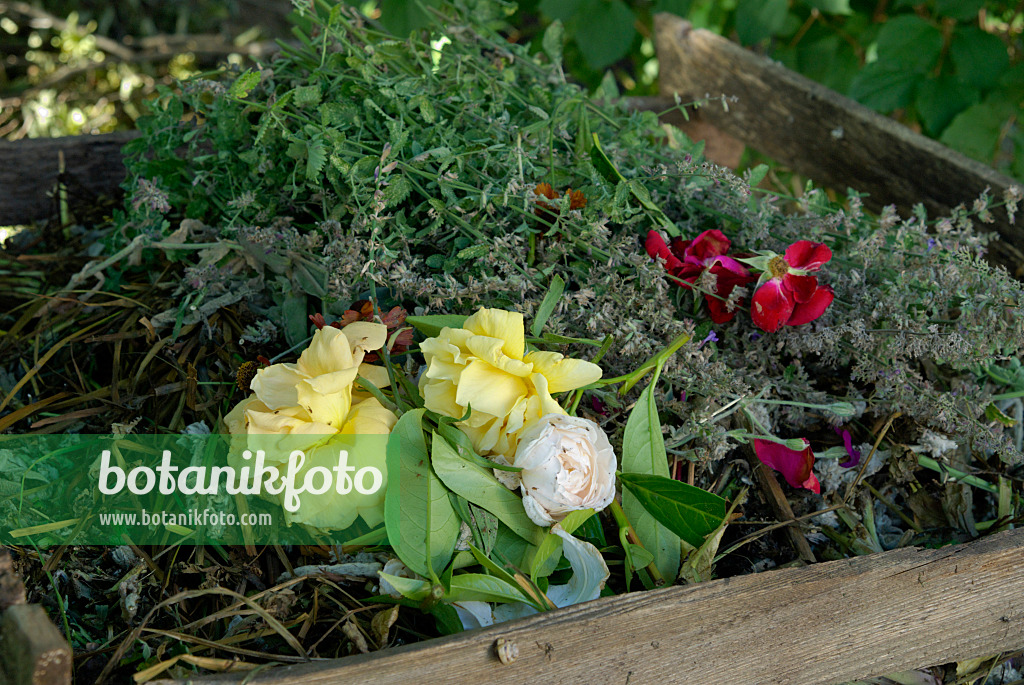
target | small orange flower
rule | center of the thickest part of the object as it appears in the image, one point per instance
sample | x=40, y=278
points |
x=550, y=213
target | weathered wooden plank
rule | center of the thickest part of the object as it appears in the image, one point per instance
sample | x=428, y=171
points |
x=830, y=138
x=824, y=623
x=32, y=650
x=29, y=171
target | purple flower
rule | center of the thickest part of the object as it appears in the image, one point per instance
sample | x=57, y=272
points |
x=848, y=444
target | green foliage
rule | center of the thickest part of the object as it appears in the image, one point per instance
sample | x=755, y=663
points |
x=422, y=524
x=689, y=512
x=643, y=452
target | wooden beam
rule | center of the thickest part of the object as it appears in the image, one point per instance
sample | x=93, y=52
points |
x=29, y=169
x=830, y=138
x=32, y=650
x=825, y=623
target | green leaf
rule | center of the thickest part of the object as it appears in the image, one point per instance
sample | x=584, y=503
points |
x=976, y=131
x=831, y=6
x=480, y=487
x=909, y=43
x=759, y=19
x=940, y=99
x=604, y=31
x=402, y=17
x=757, y=174
x=562, y=10
x=248, y=80
x=689, y=512
x=680, y=8
x=639, y=556
x=546, y=558
x=883, y=87
x=554, y=39
x=316, y=157
x=961, y=10
x=979, y=57
x=547, y=305
x=422, y=525
x=430, y=325
x=992, y=413
x=307, y=96
x=643, y=452
x=478, y=587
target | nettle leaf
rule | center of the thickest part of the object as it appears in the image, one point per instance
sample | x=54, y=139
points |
x=688, y=511
x=554, y=39
x=961, y=10
x=759, y=19
x=316, y=158
x=643, y=452
x=430, y=325
x=422, y=524
x=884, y=87
x=397, y=190
x=480, y=487
x=942, y=98
x=976, y=131
x=244, y=83
x=831, y=6
x=604, y=31
x=980, y=58
x=307, y=96
x=680, y=8
x=563, y=10
x=910, y=43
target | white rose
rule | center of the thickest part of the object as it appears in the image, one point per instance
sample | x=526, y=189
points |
x=568, y=464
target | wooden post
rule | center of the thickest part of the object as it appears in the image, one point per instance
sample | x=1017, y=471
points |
x=29, y=170
x=821, y=134
x=32, y=650
x=824, y=623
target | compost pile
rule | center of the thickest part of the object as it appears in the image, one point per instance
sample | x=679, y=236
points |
x=415, y=182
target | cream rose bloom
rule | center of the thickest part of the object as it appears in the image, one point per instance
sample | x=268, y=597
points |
x=484, y=365
x=311, y=405
x=568, y=464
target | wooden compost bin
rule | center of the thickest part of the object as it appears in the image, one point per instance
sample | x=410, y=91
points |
x=824, y=623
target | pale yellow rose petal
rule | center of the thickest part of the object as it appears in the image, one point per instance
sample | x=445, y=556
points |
x=328, y=351
x=328, y=398
x=439, y=396
x=366, y=335
x=492, y=351
x=487, y=389
x=501, y=324
x=235, y=420
x=377, y=375
x=275, y=385
x=545, y=403
x=369, y=417
x=563, y=373
x=485, y=437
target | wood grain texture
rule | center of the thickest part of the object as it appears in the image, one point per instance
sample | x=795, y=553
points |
x=29, y=171
x=32, y=650
x=826, y=623
x=821, y=134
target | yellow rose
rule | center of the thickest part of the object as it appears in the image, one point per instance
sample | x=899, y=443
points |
x=311, y=405
x=484, y=365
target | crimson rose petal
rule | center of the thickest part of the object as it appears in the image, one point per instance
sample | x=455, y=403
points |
x=795, y=465
x=807, y=255
x=805, y=312
x=771, y=306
